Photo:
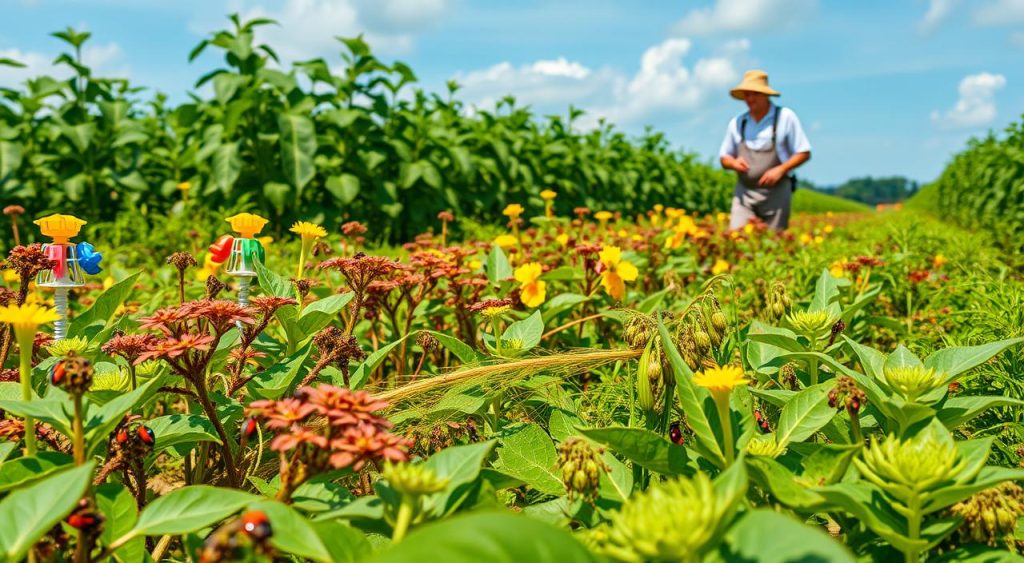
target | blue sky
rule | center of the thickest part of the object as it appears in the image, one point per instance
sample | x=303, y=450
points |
x=882, y=87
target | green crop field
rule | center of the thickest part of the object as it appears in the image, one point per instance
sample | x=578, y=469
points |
x=312, y=313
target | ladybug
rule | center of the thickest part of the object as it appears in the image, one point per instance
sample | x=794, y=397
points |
x=121, y=437
x=146, y=435
x=84, y=520
x=256, y=525
x=57, y=374
x=675, y=433
x=249, y=426
x=762, y=422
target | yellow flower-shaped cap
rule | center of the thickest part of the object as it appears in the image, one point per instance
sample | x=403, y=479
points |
x=246, y=224
x=60, y=227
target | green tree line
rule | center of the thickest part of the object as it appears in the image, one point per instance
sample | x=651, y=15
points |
x=305, y=142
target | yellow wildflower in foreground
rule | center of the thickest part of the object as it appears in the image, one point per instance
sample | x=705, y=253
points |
x=505, y=241
x=532, y=291
x=513, y=210
x=722, y=380
x=616, y=272
x=720, y=267
x=184, y=186
x=938, y=261
x=603, y=216
x=308, y=230
x=548, y=195
x=27, y=317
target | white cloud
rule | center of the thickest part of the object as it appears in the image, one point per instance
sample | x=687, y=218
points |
x=106, y=60
x=663, y=82
x=976, y=106
x=1000, y=12
x=937, y=11
x=308, y=28
x=744, y=16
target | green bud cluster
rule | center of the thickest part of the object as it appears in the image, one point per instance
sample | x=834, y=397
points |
x=816, y=325
x=413, y=479
x=68, y=347
x=776, y=303
x=765, y=446
x=990, y=517
x=673, y=520
x=909, y=470
x=581, y=467
x=911, y=382
x=701, y=331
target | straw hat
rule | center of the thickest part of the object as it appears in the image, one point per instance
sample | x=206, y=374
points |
x=753, y=81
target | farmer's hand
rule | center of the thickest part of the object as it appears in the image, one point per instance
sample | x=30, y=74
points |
x=740, y=165
x=771, y=176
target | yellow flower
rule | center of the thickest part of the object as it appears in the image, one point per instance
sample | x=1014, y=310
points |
x=513, y=210
x=721, y=381
x=308, y=231
x=246, y=224
x=616, y=272
x=27, y=317
x=623, y=233
x=184, y=186
x=60, y=227
x=505, y=241
x=722, y=217
x=828, y=214
x=637, y=237
x=748, y=228
x=720, y=267
x=265, y=241
x=938, y=261
x=828, y=229
x=818, y=239
x=603, y=216
x=563, y=239
x=658, y=208
x=548, y=195
x=837, y=270
x=806, y=239
x=672, y=212
x=684, y=226
x=532, y=291
x=475, y=264
x=108, y=282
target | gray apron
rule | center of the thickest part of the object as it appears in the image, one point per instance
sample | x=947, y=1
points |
x=749, y=201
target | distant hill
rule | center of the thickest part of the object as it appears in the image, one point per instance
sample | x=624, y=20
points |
x=871, y=191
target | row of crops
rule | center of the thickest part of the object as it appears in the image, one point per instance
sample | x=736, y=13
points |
x=983, y=186
x=360, y=143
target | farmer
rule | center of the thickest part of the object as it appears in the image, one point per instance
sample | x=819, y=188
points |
x=763, y=145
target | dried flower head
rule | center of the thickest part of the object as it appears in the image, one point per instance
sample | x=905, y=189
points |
x=128, y=346
x=353, y=228
x=181, y=261
x=13, y=210
x=28, y=261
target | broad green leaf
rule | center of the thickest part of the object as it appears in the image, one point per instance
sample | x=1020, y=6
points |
x=526, y=452
x=292, y=532
x=29, y=513
x=298, y=146
x=460, y=465
x=956, y=360
x=225, y=167
x=99, y=423
x=282, y=376
x=782, y=484
x=321, y=312
x=118, y=506
x=103, y=309
x=362, y=373
x=827, y=463
x=464, y=352
x=189, y=509
x=344, y=188
x=769, y=537
x=644, y=448
x=804, y=414
x=174, y=429
x=527, y=331
x=273, y=284
x=691, y=401
x=55, y=412
x=826, y=294
x=16, y=473
x=499, y=537
x=344, y=543
x=498, y=267
x=957, y=411
x=902, y=357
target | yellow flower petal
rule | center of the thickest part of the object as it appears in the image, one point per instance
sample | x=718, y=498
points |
x=610, y=256
x=533, y=294
x=613, y=284
x=626, y=271
x=528, y=273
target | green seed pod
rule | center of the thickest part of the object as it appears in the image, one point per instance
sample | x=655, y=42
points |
x=702, y=341
x=719, y=321
x=644, y=393
x=579, y=481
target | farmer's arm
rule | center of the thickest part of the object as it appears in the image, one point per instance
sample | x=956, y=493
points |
x=799, y=146
x=727, y=153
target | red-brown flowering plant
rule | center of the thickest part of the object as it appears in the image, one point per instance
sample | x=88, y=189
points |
x=130, y=347
x=244, y=354
x=337, y=348
x=359, y=271
x=325, y=428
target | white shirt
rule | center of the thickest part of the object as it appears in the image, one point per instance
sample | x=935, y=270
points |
x=790, y=138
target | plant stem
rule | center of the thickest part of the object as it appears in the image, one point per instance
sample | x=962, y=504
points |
x=858, y=437
x=812, y=368
x=913, y=528
x=79, y=431
x=211, y=413
x=722, y=402
x=405, y=510
x=25, y=372
x=161, y=548
x=496, y=326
